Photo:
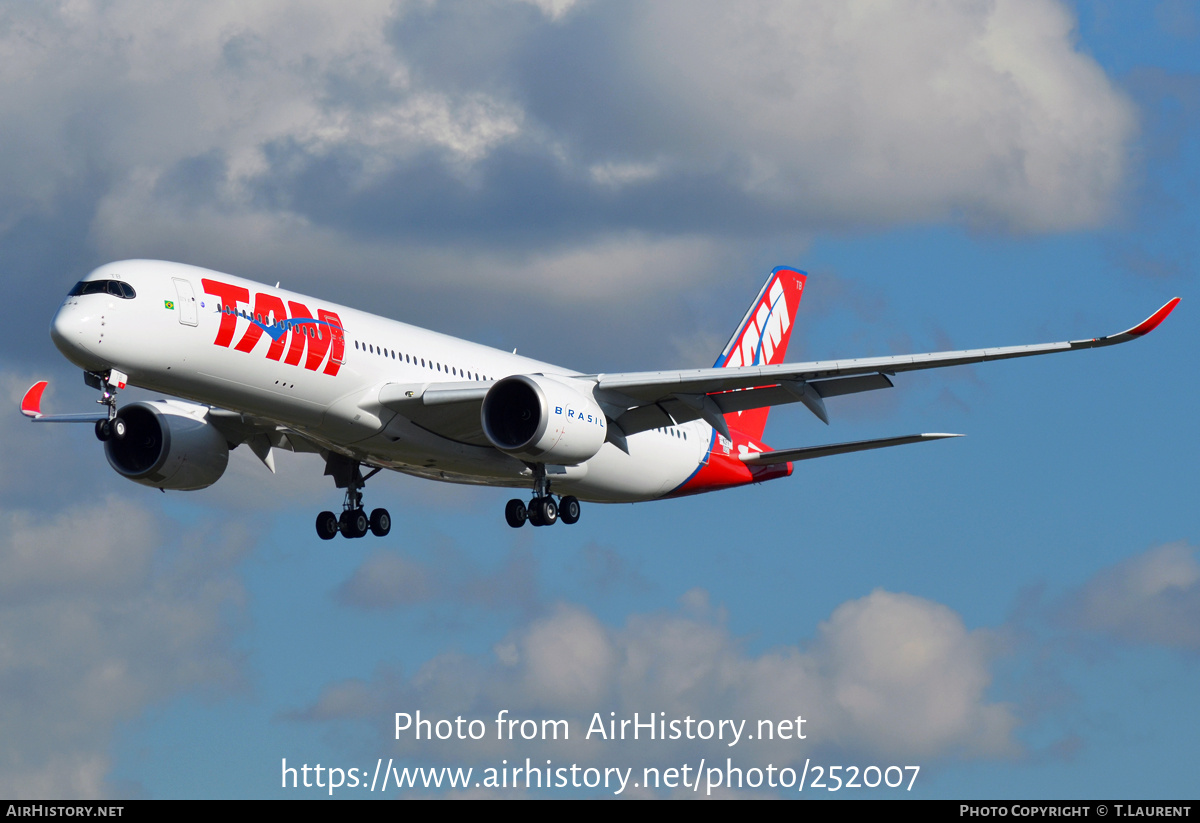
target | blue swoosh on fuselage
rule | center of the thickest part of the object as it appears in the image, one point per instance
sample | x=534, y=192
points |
x=278, y=330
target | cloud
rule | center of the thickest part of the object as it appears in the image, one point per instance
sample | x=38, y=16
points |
x=443, y=123
x=104, y=610
x=1152, y=598
x=887, y=675
x=533, y=156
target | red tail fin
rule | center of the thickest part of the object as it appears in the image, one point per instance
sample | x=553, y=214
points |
x=762, y=338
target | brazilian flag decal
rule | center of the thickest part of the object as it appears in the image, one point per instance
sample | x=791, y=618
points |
x=168, y=304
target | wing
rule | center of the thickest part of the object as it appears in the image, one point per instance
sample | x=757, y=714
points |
x=260, y=435
x=451, y=410
x=644, y=400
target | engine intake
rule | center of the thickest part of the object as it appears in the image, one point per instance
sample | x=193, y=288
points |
x=168, y=445
x=543, y=420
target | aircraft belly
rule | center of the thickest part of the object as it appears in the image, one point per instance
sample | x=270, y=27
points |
x=655, y=465
x=406, y=447
x=267, y=401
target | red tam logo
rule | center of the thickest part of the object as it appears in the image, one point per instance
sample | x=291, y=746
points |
x=311, y=338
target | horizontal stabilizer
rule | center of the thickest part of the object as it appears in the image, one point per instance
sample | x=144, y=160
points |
x=809, y=452
x=31, y=407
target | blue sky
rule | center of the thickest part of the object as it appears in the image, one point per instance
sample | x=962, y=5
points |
x=605, y=186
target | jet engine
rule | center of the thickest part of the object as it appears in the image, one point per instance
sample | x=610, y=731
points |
x=543, y=420
x=167, y=445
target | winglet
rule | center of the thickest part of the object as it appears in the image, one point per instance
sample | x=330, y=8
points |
x=31, y=403
x=1140, y=330
x=1151, y=323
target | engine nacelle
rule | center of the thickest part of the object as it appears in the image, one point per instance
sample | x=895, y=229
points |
x=543, y=420
x=168, y=445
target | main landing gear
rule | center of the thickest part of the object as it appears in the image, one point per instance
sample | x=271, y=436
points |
x=542, y=510
x=353, y=521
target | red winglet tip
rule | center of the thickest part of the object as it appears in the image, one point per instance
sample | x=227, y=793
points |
x=31, y=403
x=1151, y=323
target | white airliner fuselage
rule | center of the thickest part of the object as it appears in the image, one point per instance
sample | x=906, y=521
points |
x=158, y=351
x=275, y=369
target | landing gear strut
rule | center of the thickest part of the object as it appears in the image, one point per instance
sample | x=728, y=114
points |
x=353, y=522
x=542, y=510
x=113, y=427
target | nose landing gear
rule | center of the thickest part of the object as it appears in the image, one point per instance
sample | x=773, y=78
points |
x=113, y=427
x=353, y=522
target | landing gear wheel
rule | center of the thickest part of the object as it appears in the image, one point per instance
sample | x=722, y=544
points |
x=119, y=428
x=568, y=509
x=547, y=511
x=381, y=522
x=103, y=430
x=327, y=525
x=353, y=523
x=515, y=513
x=535, y=512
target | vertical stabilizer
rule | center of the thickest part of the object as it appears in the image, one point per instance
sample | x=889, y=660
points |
x=762, y=338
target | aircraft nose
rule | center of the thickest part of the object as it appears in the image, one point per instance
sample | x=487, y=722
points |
x=68, y=330
x=64, y=328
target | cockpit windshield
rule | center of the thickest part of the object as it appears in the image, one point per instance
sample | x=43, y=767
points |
x=114, y=287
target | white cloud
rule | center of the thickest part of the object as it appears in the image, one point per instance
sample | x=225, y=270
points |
x=554, y=9
x=908, y=677
x=707, y=118
x=135, y=88
x=894, y=112
x=1151, y=598
x=888, y=675
x=614, y=267
x=615, y=174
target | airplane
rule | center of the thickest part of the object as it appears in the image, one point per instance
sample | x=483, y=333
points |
x=272, y=369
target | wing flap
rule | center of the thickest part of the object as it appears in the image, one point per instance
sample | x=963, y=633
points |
x=262, y=436
x=851, y=385
x=645, y=418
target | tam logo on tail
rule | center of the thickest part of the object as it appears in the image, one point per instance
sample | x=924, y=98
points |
x=762, y=338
